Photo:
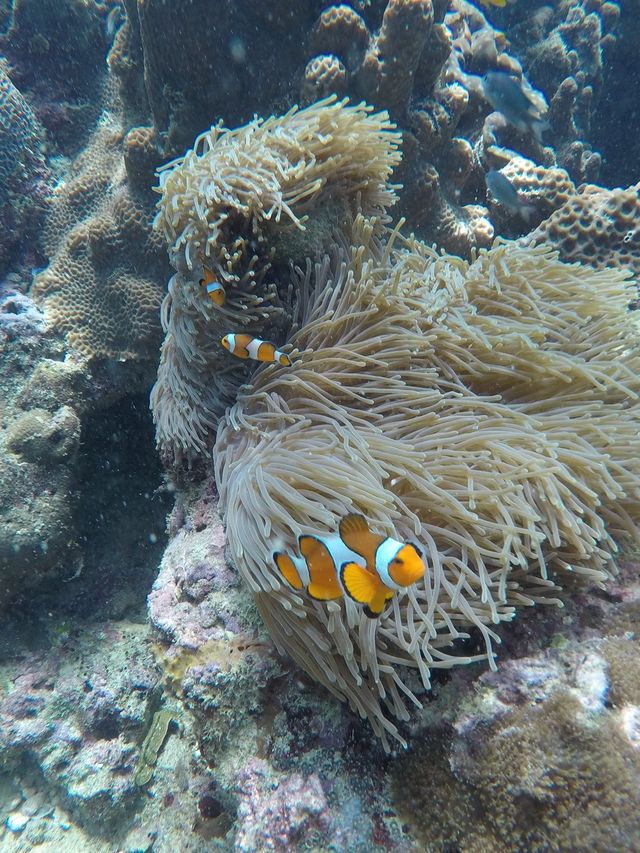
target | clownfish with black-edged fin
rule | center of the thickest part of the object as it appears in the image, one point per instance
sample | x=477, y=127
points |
x=389, y=565
x=366, y=567
x=246, y=346
x=215, y=291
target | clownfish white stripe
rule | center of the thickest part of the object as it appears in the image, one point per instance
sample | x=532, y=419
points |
x=385, y=553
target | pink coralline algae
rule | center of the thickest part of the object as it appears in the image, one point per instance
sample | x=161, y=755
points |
x=279, y=813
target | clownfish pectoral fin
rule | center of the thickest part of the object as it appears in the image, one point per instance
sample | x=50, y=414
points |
x=324, y=584
x=287, y=569
x=359, y=584
x=284, y=359
x=375, y=607
x=354, y=532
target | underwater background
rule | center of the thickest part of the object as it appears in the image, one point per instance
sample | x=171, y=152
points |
x=429, y=271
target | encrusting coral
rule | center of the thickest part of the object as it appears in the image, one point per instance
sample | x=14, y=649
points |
x=486, y=409
x=101, y=288
x=228, y=204
x=596, y=226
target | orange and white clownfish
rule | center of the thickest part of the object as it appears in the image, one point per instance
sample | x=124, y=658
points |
x=246, y=346
x=365, y=566
x=215, y=291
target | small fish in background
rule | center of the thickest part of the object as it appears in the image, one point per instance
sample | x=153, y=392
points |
x=215, y=291
x=499, y=3
x=367, y=567
x=507, y=195
x=505, y=94
x=246, y=346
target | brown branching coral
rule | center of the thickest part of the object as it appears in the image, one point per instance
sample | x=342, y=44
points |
x=229, y=204
x=487, y=410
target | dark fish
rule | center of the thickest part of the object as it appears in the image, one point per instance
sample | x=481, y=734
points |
x=504, y=192
x=505, y=95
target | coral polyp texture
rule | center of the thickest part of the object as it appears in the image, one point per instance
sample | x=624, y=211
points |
x=24, y=176
x=235, y=203
x=596, y=226
x=103, y=286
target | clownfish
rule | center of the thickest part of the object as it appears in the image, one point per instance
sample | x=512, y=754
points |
x=246, y=346
x=215, y=291
x=365, y=566
x=499, y=3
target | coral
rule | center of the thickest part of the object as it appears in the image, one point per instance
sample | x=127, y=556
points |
x=537, y=759
x=56, y=50
x=71, y=722
x=24, y=176
x=19, y=317
x=218, y=664
x=279, y=815
x=39, y=436
x=252, y=52
x=425, y=67
x=102, y=288
x=392, y=58
x=390, y=332
x=323, y=76
x=232, y=203
x=543, y=188
x=596, y=226
x=141, y=156
x=564, y=49
x=36, y=477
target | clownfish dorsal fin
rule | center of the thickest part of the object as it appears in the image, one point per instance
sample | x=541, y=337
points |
x=354, y=532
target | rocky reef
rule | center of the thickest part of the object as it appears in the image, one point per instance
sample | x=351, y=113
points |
x=144, y=706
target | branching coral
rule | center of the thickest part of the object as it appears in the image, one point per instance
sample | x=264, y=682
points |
x=487, y=410
x=230, y=203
